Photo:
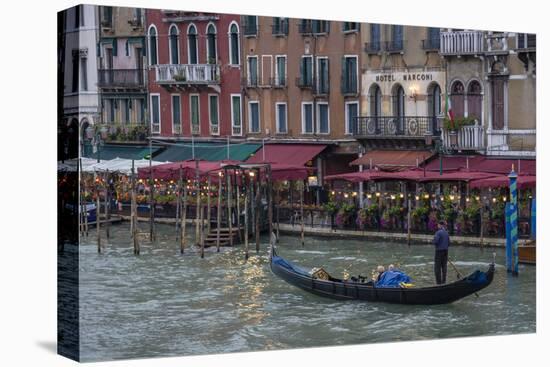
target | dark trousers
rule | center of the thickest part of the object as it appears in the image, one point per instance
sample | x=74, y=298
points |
x=440, y=266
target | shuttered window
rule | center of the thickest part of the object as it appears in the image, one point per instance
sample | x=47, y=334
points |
x=497, y=103
x=254, y=112
x=281, y=118
x=307, y=118
x=323, y=118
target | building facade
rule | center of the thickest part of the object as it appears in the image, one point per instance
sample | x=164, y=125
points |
x=122, y=80
x=402, y=83
x=194, y=75
x=78, y=60
x=492, y=79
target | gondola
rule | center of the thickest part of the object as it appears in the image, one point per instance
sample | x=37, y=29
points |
x=354, y=290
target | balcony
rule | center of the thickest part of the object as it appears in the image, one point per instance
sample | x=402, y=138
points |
x=373, y=47
x=395, y=46
x=121, y=78
x=456, y=43
x=402, y=127
x=431, y=44
x=278, y=82
x=279, y=29
x=469, y=137
x=250, y=82
x=188, y=74
x=304, y=82
x=250, y=29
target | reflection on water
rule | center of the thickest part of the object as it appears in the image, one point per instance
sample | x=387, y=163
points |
x=162, y=303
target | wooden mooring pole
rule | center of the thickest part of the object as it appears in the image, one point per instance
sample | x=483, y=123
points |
x=219, y=212
x=409, y=207
x=301, y=188
x=106, y=202
x=269, y=200
x=178, y=205
x=229, y=219
x=133, y=212
x=257, y=210
x=198, y=204
x=183, y=219
x=97, y=218
x=246, y=201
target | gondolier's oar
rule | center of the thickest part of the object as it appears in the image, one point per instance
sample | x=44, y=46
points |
x=458, y=272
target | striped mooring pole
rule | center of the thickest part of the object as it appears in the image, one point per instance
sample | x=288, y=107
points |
x=513, y=215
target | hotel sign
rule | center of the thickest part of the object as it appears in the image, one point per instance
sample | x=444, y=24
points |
x=405, y=77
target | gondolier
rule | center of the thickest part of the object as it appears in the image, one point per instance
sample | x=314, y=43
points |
x=441, y=242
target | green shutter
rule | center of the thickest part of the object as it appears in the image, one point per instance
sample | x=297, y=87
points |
x=344, y=79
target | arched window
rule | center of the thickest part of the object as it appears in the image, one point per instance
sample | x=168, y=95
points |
x=192, y=44
x=375, y=95
x=434, y=105
x=457, y=99
x=234, y=46
x=174, y=45
x=153, y=45
x=211, y=44
x=398, y=103
x=474, y=100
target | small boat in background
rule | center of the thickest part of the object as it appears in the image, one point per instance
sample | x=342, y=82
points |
x=527, y=253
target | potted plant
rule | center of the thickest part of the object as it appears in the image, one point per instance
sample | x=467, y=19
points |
x=180, y=77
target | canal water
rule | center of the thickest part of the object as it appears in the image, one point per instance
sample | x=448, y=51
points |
x=162, y=303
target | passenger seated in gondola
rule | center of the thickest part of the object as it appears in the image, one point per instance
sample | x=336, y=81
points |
x=392, y=278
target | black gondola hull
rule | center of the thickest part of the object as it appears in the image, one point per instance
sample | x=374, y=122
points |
x=347, y=290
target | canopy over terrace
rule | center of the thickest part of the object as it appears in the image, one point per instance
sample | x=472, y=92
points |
x=415, y=175
x=208, y=151
x=485, y=164
x=523, y=182
x=289, y=154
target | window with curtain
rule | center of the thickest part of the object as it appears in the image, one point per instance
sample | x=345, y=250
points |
x=349, y=75
x=213, y=110
x=234, y=44
x=176, y=113
x=155, y=113
x=475, y=99
x=194, y=109
x=174, y=45
x=254, y=112
x=397, y=37
x=497, y=103
x=323, y=75
x=281, y=71
x=236, y=114
x=306, y=71
x=153, y=46
x=253, y=71
x=192, y=44
x=281, y=118
x=211, y=42
x=457, y=99
x=375, y=37
x=323, y=118
x=375, y=97
x=307, y=118
x=350, y=27
x=352, y=111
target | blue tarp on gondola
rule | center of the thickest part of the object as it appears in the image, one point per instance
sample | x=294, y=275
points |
x=290, y=266
x=392, y=279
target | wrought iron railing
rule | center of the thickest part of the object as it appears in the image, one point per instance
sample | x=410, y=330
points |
x=373, y=47
x=396, y=126
x=431, y=43
x=187, y=74
x=121, y=78
x=280, y=29
x=395, y=46
x=305, y=82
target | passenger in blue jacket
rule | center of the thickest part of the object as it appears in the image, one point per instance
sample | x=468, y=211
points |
x=441, y=242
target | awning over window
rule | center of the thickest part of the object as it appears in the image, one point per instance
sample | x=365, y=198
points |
x=208, y=152
x=393, y=159
x=112, y=151
x=292, y=154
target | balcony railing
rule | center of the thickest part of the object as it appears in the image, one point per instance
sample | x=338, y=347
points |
x=373, y=47
x=395, y=126
x=395, y=46
x=250, y=81
x=461, y=43
x=280, y=29
x=304, y=82
x=278, y=82
x=188, y=74
x=124, y=78
x=349, y=87
x=431, y=44
x=469, y=137
x=250, y=29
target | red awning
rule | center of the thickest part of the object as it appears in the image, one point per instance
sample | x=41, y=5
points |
x=485, y=164
x=393, y=159
x=524, y=182
x=291, y=154
x=414, y=174
x=171, y=171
